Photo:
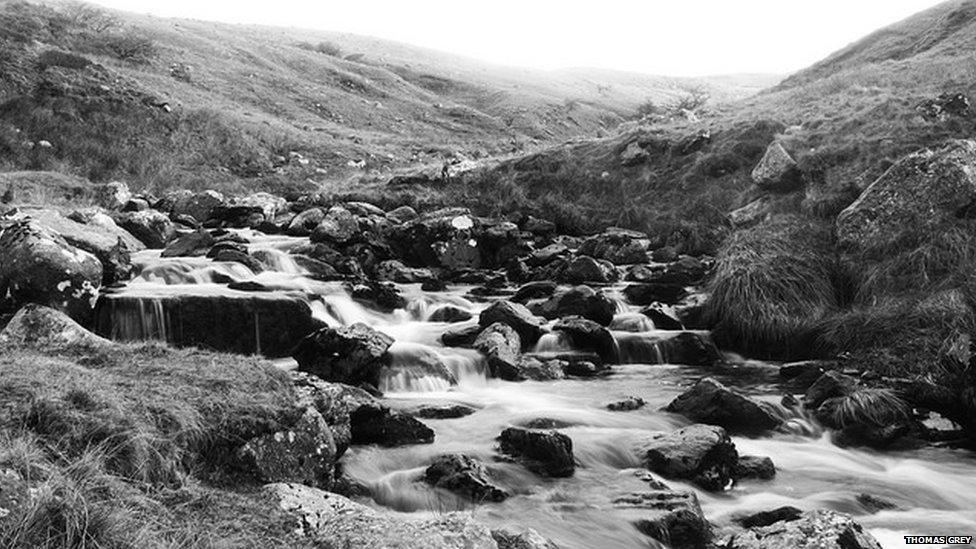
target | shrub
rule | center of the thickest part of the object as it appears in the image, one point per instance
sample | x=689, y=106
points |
x=874, y=407
x=57, y=58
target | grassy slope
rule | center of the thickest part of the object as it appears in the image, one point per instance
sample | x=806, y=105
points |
x=254, y=94
x=123, y=446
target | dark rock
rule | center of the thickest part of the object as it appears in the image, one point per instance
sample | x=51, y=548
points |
x=751, y=214
x=385, y=297
x=393, y=270
x=708, y=401
x=578, y=301
x=586, y=269
x=319, y=270
x=650, y=292
x=338, y=226
x=97, y=234
x=152, y=228
x=626, y=405
x=352, y=355
x=546, y=255
x=804, y=373
x=199, y=206
x=465, y=476
x=195, y=244
x=449, y=313
x=501, y=345
x=663, y=317
x=588, y=335
x=529, y=367
x=672, y=518
x=39, y=266
x=45, y=328
x=461, y=337
x=335, y=401
x=703, y=454
x=547, y=453
x=402, y=214
x=534, y=290
x=447, y=411
x=536, y=226
x=585, y=368
x=777, y=171
x=873, y=504
x=754, y=467
x=236, y=256
x=619, y=246
x=305, y=453
x=766, y=518
x=830, y=385
x=527, y=325
x=433, y=286
x=813, y=529
x=374, y=424
x=135, y=205
x=545, y=423
x=918, y=195
x=944, y=106
x=509, y=538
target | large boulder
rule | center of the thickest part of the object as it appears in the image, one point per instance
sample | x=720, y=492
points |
x=577, y=301
x=619, y=246
x=305, y=222
x=154, y=229
x=645, y=293
x=708, y=401
x=267, y=323
x=917, y=195
x=350, y=354
x=587, y=269
x=527, y=325
x=670, y=517
x=501, y=345
x=375, y=424
x=39, y=266
x=331, y=520
x=819, y=529
x=304, y=453
x=195, y=244
x=200, y=206
x=338, y=226
x=702, y=454
x=547, y=453
x=777, y=171
x=588, y=335
x=465, y=476
x=45, y=328
x=335, y=401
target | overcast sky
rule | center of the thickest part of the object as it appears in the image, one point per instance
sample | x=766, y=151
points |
x=678, y=38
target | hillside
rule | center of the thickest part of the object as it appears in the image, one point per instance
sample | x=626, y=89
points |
x=168, y=103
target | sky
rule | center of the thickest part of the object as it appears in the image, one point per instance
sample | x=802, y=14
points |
x=674, y=38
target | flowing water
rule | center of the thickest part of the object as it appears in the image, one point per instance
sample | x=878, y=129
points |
x=934, y=489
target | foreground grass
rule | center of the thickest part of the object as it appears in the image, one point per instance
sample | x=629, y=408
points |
x=125, y=447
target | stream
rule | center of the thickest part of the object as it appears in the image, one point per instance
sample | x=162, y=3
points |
x=933, y=489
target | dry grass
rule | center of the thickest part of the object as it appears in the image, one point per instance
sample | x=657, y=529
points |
x=875, y=407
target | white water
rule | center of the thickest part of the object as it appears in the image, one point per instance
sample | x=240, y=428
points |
x=934, y=489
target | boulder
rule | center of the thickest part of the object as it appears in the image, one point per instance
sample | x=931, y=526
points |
x=577, y=301
x=457, y=253
x=708, y=401
x=754, y=467
x=199, y=206
x=537, y=226
x=765, y=518
x=195, y=244
x=111, y=196
x=393, y=270
x=402, y=214
x=832, y=384
x=547, y=453
x=588, y=335
x=334, y=401
x=646, y=293
x=501, y=345
x=268, y=204
x=585, y=368
x=670, y=517
x=305, y=222
x=464, y=476
x=916, y=196
x=529, y=367
x=304, y=453
x=534, y=290
x=331, y=520
x=751, y=214
x=777, y=171
x=663, y=316
x=350, y=354
x=511, y=538
x=527, y=325
x=819, y=529
x=702, y=454
x=628, y=404
x=446, y=411
x=619, y=246
x=547, y=254
x=464, y=336
x=449, y=313
x=338, y=226
x=385, y=297
x=45, y=328
x=267, y=323
x=154, y=229
x=39, y=266
x=375, y=424
x=586, y=269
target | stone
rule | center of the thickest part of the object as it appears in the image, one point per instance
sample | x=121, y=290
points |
x=517, y=316
x=765, y=518
x=831, y=384
x=338, y=226
x=305, y=453
x=465, y=476
x=305, y=222
x=587, y=269
x=111, y=196
x=385, y=297
x=588, y=335
x=334, y=401
x=331, y=520
x=547, y=254
x=819, y=529
x=577, y=301
x=153, y=228
x=501, y=345
x=777, y=171
x=402, y=214
x=702, y=454
x=663, y=316
x=670, y=517
x=546, y=453
x=375, y=424
x=195, y=244
x=618, y=246
x=511, y=538
x=585, y=368
x=41, y=327
x=449, y=313
x=199, y=206
x=537, y=226
x=751, y=214
x=350, y=354
x=754, y=467
x=873, y=504
x=918, y=195
x=15, y=492
x=39, y=266
x=464, y=336
x=532, y=368
x=446, y=411
x=393, y=270
x=628, y=404
x=708, y=401
x=646, y=293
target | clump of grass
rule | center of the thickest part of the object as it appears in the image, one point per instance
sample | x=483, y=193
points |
x=872, y=407
x=771, y=286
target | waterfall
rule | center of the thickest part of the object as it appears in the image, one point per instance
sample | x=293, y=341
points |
x=640, y=348
x=419, y=368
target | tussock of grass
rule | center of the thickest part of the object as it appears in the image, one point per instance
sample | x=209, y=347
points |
x=772, y=285
x=874, y=407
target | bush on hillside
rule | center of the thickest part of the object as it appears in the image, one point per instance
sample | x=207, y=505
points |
x=772, y=285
